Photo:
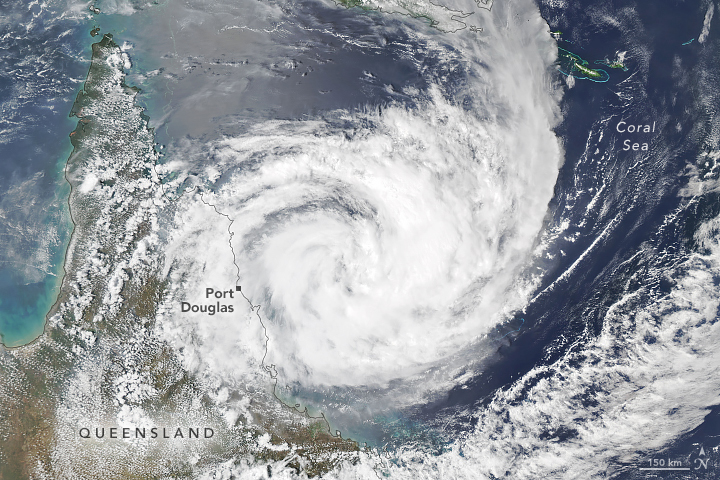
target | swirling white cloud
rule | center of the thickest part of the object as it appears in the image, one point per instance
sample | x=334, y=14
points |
x=382, y=242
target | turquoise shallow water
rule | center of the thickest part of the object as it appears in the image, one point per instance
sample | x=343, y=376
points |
x=35, y=223
x=24, y=303
x=46, y=54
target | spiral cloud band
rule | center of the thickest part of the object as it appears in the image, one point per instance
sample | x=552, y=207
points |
x=383, y=241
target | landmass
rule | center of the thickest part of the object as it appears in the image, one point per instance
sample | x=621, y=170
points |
x=100, y=362
x=618, y=62
x=574, y=65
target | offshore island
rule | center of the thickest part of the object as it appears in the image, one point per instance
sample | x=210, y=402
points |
x=574, y=65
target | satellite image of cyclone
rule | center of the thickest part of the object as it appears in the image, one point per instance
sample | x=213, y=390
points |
x=359, y=239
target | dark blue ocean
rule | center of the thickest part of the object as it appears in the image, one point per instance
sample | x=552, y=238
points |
x=670, y=79
x=617, y=202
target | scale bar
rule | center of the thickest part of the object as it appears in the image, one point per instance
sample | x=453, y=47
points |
x=685, y=469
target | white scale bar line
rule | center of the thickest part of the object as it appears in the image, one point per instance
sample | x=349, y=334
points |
x=666, y=468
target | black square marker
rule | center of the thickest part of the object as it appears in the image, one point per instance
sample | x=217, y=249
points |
x=238, y=288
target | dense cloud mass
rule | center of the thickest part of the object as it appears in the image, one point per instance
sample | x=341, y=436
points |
x=354, y=243
x=380, y=243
